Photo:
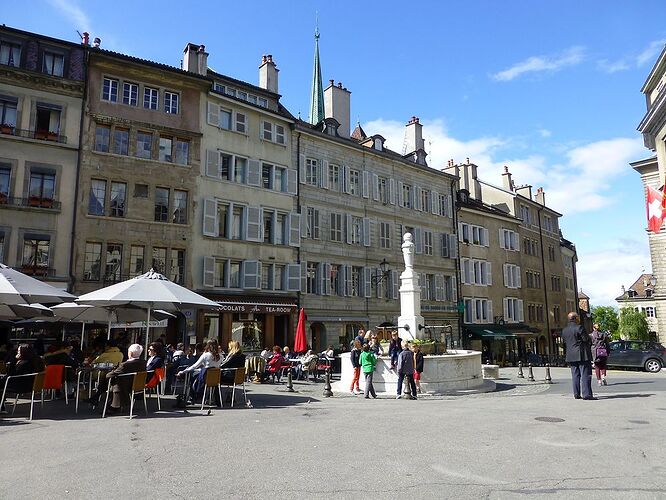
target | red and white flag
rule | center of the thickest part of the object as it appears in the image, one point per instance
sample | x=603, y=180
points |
x=655, y=209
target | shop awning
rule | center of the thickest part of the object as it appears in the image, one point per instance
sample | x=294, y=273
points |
x=493, y=331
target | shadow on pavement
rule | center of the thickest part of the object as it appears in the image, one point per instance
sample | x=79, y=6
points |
x=633, y=383
x=501, y=386
x=624, y=396
x=279, y=400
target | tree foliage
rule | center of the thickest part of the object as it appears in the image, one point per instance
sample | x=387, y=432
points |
x=633, y=325
x=607, y=318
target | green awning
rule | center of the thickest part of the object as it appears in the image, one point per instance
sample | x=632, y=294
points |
x=493, y=331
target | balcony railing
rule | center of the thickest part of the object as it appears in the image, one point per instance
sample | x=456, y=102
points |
x=42, y=135
x=38, y=271
x=32, y=201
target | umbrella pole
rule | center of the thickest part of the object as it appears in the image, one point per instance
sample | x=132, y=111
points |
x=147, y=331
x=108, y=328
x=83, y=332
x=63, y=333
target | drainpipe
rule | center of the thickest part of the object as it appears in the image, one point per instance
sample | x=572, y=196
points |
x=454, y=200
x=298, y=208
x=72, y=278
x=545, y=287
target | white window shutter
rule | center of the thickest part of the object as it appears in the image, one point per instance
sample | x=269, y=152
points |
x=303, y=169
x=434, y=203
x=401, y=194
x=501, y=237
x=417, y=198
x=346, y=182
x=251, y=275
x=210, y=222
x=484, y=236
x=460, y=231
x=348, y=281
x=489, y=273
x=323, y=179
x=322, y=278
x=391, y=188
x=367, y=282
x=505, y=270
x=348, y=229
x=294, y=278
x=327, y=278
x=253, y=222
x=395, y=284
x=518, y=280
x=254, y=173
x=375, y=187
x=365, y=188
x=514, y=241
x=208, y=272
x=444, y=245
x=213, y=114
x=292, y=185
x=449, y=206
x=519, y=315
x=212, y=163
x=506, y=308
x=294, y=229
x=439, y=287
x=418, y=240
x=490, y=311
x=304, y=221
x=453, y=289
x=366, y=232
x=453, y=246
x=304, y=276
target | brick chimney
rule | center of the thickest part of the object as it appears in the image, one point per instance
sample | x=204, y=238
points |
x=268, y=74
x=195, y=59
x=540, y=197
x=507, y=183
x=337, y=103
x=413, y=136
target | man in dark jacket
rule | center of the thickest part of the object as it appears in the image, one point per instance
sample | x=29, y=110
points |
x=406, y=369
x=579, y=356
x=122, y=386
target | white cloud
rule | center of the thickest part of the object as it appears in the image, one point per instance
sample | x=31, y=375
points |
x=613, y=67
x=650, y=53
x=535, y=64
x=545, y=132
x=647, y=55
x=74, y=13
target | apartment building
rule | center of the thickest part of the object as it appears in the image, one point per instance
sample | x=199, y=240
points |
x=640, y=297
x=42, y=84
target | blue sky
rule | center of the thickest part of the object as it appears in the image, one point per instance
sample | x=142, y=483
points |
x=551, y=89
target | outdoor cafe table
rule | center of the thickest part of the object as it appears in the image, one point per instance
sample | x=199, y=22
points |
x=88, y=370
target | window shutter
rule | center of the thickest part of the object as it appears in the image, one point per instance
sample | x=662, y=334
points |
x=254, y=173
x=454, y=298
x=341, y=282
x=253, y=222
x=212, y=163
x=453, y=246
x=505, y=303
x=490, y=311
x=449, y=206
x=210, y=222
x=304, y=222
x=444, y=245
x=517, y=279
x=327, y=278
x=505, y=270
x=401, y=194
x=303, y=173
x=304, y=276
x=460, y=231
x=439, y=287
x=292, y=184
x=434, y=203
x=367, y=282
x=348, y=229
x=391, y=188
x=514, y=241
x=322, y=278
x=520, y=316
x=365, y=188
x=416, y=190
x=323, y=179
x=251, y=273
x=348, y=281
x=375, y=187
x=366, y=232
x=294, y=229
x=489, y=273
x=346, y=183
x=418, y=239
x=501, y=237
x=395, y=284
x=294, y=278
x=213, y=114
x=208, y=272
x=484, y=237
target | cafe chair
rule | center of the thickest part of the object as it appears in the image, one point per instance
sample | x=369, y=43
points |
x=254, y=365
x=157, y=382
x=37, y=386
x=138, y=388
x=310, y=369
x=239, y=380
x=211, y=381
x=55, y=379
x=323, y=365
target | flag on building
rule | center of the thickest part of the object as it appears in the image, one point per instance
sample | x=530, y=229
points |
x=655, y=209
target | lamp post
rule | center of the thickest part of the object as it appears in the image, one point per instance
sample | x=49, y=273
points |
x=381, y=275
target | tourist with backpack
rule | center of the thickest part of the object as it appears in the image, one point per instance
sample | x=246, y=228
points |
x=600, y=350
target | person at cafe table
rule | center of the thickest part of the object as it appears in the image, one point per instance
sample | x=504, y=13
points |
x=111, y=354
x=122, y=386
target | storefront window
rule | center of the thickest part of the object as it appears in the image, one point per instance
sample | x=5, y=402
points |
x=250, y=333
x=211, y=326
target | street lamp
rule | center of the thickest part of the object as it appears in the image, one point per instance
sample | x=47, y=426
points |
x=381, y=275
x=653, y=281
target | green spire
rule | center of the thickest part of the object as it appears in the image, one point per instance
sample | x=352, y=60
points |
x=317, y=97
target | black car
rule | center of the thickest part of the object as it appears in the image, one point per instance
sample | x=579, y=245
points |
x=637, y=354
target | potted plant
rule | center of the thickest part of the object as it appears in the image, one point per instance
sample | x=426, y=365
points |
x=52, y=136
x=6, y=128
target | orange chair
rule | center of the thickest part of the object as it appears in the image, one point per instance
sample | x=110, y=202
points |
x=55, y=378
x=157, y=382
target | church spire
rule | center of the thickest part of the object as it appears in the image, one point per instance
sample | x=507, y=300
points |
x=317, y=96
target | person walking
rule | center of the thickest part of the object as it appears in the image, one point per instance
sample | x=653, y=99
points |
x=579, y=356
x=406, y=369
x=368, y=362
x=356, y=363
x=600, y=350
x=418, y=367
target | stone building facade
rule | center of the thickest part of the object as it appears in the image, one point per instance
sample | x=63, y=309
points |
x=640, y=297
x=41, y=91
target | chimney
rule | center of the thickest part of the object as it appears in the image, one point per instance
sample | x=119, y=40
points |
x=86, y=38
x=507, y=183
x=268, y=74
x=525, y=191
x=195, y=59
x=97, y=42
x=337, y=105
x=540, y=197
x=413, y=136
x=464, y=178
x=474, y=184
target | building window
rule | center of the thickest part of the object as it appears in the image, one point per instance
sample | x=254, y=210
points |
x=171, y=103
x=42, y=189
x=102, y=137
x=354, y=182
x=8, y=112
x=334, y=177
x=513, y=310
x=166, y=144
x=177, y=266
x=311, y=277
x=525, y=214
x=118, y=199
x=356, y=231
x=311, y=172
x=35, y=259
x=5, y=177
x=179, y=207
x=426, y=201
x=334, y=279
x=10, y=54
x=336, y=227
x=555, y=284
x=114, y=262
x=182, y=151
x=53, y=64
x=267, y=175
x=91, y=261
x=427, y=243
x=312, y=222
x=267, y=132
x=234, y=274
x=159, y=259
x=236, y=229
x=110, y=90
x=509, y=240
x=384, y=235
x=356, y=273
x=278, y=277
x=383, y=189
x=551, y=253
x=225, y=119
x=556, y=314
x=150, y=98
x=241, y=123
x=511, y=276
x=650, y=312
x=443, y=201
x=161, y=204
x=268, y=226
x=279, y=134
x=406, y=196
x=144, y=145
x=279, y=238
x=220, y=272
x=130, y=94
x=97, y=197
x=121, y=141
x=267, y=276
x=137, y=256
x=47, y=121
x=222, y=214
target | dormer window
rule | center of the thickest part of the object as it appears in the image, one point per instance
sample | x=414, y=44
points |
x=53, y=64
x=648, y=293
x=631, y=293
x=10, y=54
x=379, y=146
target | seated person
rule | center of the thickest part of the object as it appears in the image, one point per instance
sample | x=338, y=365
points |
x=61, y=355
x=111, y=354
x=235, y=359
x=266, y=353
x=306, y=361
x=155, y=356
x=180, y=351
x=328, y=352
x=209, y=359
x=25, y=362
x=287, y=354
x=274, y=365
x=122, y=386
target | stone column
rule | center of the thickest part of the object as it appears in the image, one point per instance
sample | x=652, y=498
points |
x=410, y=295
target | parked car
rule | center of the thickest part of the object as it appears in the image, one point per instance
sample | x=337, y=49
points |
x=637, y=354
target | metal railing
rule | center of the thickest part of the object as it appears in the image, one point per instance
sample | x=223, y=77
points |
x=31, y=201
x=38, y=271
x=41, y=135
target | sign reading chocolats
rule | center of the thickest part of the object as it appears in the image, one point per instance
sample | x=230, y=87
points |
x=256, y=308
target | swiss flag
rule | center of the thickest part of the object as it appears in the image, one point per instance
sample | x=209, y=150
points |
x=655, y=209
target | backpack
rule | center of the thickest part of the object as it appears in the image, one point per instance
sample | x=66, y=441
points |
x=602, y=352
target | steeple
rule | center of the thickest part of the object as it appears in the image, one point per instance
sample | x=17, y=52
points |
x=317, y=96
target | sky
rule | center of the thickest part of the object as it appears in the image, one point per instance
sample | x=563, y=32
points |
x=550, y=89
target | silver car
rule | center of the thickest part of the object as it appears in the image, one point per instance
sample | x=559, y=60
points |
x=637, y=354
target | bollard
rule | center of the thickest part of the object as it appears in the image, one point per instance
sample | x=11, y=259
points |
x=530, y=374
x=327, y=386
x=406, y=389
x=548, y=379
x=520, y=370
x=290, y=385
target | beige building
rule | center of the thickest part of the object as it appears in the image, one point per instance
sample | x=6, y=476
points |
x=41, y=91
x=640, y=297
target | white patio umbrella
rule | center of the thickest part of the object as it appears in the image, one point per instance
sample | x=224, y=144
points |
x=150, y=291
x=85, y=313
x=24, y=311
x=19, y=288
